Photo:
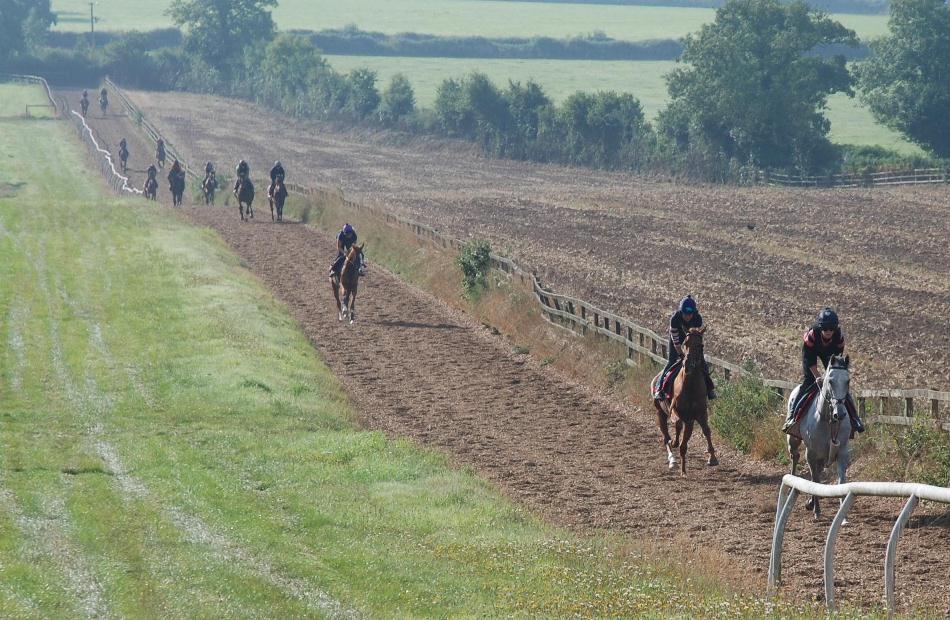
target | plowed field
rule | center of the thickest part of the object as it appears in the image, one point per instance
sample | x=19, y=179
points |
x=761, y=261
x=416, y=368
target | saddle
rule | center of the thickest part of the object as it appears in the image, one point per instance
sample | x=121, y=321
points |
x=805, y=401
x=663, y=385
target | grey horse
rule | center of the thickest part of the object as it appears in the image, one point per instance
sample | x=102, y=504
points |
x=825, y=427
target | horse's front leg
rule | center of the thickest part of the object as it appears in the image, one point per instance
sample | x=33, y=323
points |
x=334, y=288
x=711, y=458
x=793, y=444
x=272, y=218
x=352, y=306
x=687, y=433
x=816, y=467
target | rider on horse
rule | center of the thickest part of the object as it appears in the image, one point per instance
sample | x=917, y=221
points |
x=160, y=149
x=822, y=340
x=209, y=169
x=345, y=239
x=152, y=171
x=681, y=322
x=276, y=171
x=175, y=172
x=84, y=102
x=103, y=97
x=242, y=170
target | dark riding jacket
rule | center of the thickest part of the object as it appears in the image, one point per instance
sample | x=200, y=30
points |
x=815, y=348
x=679, y=326
x=151, y=171
x=347, y=240
x=275, y=172
x=243, y=170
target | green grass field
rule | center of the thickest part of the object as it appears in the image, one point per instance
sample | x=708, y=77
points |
x=851, y=123
x=172, y=447
x=447, y=17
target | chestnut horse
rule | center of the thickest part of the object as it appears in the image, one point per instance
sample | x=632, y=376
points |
x=688, y=405
x=346, y=284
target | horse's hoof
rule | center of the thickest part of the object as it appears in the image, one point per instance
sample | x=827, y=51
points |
x=810, y=504
x=672, y=463
x=713, y=461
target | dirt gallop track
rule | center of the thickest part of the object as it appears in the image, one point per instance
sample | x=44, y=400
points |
x=416, y=368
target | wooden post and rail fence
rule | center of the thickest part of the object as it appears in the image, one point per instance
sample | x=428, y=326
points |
x=887, y=406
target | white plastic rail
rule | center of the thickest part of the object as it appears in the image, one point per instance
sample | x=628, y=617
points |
x=912, y=491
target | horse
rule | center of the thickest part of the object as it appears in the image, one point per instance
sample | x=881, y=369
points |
x=160, y=156
x=124, y=158
x=176, y=183
x=346, y=284
x=244, y=192
x=825, y=427
x=151, y=187
x=103, y=104
x=688, y=405
x=208, y=187
x=84, y=106
x=277, y=199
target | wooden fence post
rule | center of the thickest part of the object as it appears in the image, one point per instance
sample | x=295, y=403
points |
x=934, y=409
x=908, y=407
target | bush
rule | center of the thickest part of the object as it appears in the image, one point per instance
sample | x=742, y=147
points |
x=918, y=453
x=474, y=261
x=744, y=409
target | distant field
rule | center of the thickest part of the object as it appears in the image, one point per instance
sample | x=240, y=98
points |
x=851, y=123
x=446, y=17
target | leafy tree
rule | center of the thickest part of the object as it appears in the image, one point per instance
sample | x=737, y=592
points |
x=362, y=97
x=600, y=126
x=218, y=31
x=754, y=90
x=23, y=24
x=906, y=81
x=289, y=67
x=525, y=105
x=450, y=109
x=398, y=100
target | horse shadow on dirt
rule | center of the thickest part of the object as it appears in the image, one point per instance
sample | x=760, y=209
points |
x=412, y=325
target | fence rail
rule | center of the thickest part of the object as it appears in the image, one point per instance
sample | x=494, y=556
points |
x=918, y=176
x=578, y=315
x=849, y=492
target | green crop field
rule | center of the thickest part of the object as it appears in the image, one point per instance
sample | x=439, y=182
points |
x=447, y=17
x=851, y=123
x=172, y=446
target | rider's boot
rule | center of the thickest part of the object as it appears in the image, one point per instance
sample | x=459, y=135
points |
x=790, y=416
x=710, y=386
x=856, y=422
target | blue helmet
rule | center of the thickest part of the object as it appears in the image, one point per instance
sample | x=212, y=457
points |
x=827, y=319
x=688, y=305
x=347, y=229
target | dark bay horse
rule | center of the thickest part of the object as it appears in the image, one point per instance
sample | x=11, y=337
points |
x=689, y=404
x=277, y=199
x=124, y=157
x=176, y=183
x=208, y=187
x=244, y=192
x=346, y=284
x=151, y=187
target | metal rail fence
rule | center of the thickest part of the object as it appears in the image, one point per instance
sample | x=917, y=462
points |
x=580, y=316
x=850, y=491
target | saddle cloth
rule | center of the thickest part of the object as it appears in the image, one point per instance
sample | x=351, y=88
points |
x=663, y=385
x=805, y=402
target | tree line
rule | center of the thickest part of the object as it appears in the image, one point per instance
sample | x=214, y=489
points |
x=749, y=92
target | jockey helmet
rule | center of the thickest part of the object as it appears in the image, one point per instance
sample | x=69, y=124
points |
x=85, y=93
x=347, y=229
x=276, y=163
x=828, y=319
x=688, y=305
